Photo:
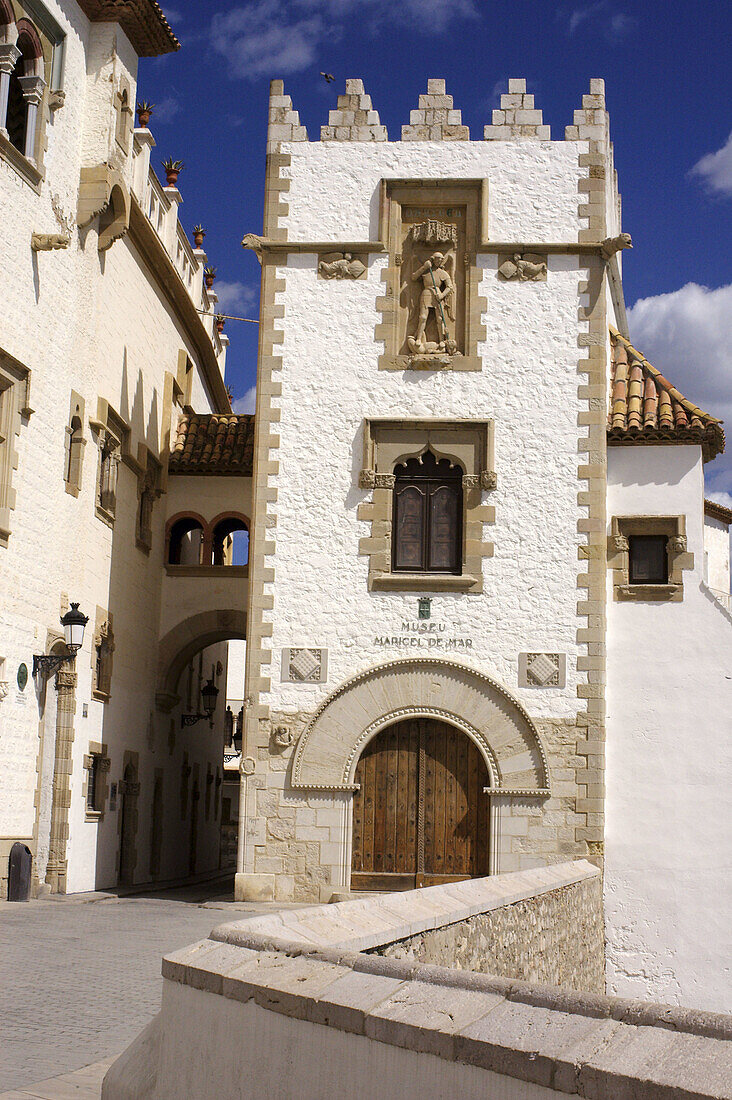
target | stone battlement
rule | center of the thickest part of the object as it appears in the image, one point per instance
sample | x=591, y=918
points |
x=436, y=118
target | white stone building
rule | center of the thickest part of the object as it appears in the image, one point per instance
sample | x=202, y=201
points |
x=108, y=343
x=480, y=634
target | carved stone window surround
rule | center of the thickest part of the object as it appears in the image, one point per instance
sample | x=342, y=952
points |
x=113, y=435
x=386, y=442
x=14, y=397
x=99, y=751
x=102, y=656
x=469, y=196
x=622, y=529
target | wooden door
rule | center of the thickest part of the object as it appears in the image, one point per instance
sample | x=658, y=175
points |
x=420, y=816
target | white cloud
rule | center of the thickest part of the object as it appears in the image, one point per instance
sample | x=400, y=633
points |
x=715, y=169
x=687, y=335
x=236, y=296
x=615, y=26
x=278, y=37
x=246, y=403
x=724, y=499
x=166, y=110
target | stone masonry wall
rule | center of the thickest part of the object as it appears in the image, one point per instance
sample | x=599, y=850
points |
x=555, y=938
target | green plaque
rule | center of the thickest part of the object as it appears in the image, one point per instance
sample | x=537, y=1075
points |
x=22, y=676
x=425, y=607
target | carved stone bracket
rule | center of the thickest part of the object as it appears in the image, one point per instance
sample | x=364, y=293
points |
x=527, y=267
x=611, y=245
x=47, y=242
x=342, y=265
x=485, y=480
x=677, y=545
x=620, y=544
x=252, y=241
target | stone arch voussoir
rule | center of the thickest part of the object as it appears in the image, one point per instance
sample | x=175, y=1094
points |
x=185, y=640
x=331, y=744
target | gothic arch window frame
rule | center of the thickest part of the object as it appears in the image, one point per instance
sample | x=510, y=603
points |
x=423, y=486
x=388, y=443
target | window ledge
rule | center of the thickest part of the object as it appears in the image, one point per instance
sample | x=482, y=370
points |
x=426, y=582
x=105, y=516
x=93, y=815
x=207, y=570
x=650, y=592
x=101, y=696
x=20, y=164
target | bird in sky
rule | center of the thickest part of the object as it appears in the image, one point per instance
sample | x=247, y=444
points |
x=329, y=78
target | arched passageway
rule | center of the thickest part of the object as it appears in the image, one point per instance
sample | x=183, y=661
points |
x=420, y=814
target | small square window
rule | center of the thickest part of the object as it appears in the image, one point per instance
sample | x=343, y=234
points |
x=648, y=560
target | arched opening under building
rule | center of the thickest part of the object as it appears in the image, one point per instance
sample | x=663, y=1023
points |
x=420, y=814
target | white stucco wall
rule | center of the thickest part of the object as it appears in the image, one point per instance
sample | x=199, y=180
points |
x=668, y=891
x=716, y=550
x=528, y=385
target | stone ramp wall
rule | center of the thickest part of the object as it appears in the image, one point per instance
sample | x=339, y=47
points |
x=555, y=938
x=290, y=1005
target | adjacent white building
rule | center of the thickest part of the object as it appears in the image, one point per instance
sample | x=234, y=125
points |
x=108, y=343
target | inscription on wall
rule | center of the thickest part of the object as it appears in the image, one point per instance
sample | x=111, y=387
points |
x=425, y=635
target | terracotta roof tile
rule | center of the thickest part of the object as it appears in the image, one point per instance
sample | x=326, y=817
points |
x=143, y=21
x=214, y=443
x=646, y=408
x=718, y=511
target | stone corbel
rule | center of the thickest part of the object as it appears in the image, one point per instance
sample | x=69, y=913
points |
x=611, y=245
x=252, y=241
x=56, y=100
x=48, y=242
x=102, y=189
x=677, y=545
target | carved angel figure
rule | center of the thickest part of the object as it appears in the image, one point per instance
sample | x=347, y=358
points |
x=344, y=268
x=437, y=297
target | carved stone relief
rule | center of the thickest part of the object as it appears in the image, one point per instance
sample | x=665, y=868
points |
x=430, y=284
x=611, y=245
x=304, y=666
x=528, y=267
x=47, y=242
x=341, y=265
x=542, y=670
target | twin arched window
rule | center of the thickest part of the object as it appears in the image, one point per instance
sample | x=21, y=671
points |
x=193, y=541
x=21, y=86
x=427, y=520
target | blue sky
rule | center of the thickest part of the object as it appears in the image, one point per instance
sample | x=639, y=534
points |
x=666, y=66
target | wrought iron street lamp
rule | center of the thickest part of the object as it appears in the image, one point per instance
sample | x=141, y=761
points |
x=209, y=695
x=73, y=623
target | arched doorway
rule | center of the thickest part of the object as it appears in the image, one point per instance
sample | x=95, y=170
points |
x=420, y=814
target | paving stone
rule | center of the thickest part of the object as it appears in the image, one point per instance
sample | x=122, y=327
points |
x=78, y=981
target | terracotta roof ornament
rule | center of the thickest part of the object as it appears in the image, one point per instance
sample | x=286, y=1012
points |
x=646, y=408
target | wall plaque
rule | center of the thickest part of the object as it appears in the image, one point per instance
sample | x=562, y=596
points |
x=301, y=665
x=542, y=670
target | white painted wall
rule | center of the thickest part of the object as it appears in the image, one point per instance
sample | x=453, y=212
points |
x=668, y=890
x=528, y=385
x=95, y=323
x=716, y=549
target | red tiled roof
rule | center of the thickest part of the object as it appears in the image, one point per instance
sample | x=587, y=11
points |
x=142, y=21
x=646, y=408
x=214, y=443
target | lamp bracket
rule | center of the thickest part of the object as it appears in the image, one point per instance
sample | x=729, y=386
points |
x=191, y=719
x=48, y=663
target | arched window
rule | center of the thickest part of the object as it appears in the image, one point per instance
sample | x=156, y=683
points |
x=185, y=545
x=24, y=91
x=230, y=541
x=427, y=522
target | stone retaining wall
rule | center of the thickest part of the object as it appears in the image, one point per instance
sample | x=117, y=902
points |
x=555, y=938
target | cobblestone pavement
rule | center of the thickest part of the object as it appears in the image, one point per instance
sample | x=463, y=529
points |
x=79, y=979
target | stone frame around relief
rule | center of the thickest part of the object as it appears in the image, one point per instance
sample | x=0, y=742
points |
x=558, y=679
x=319, y=673
x=433, y=194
